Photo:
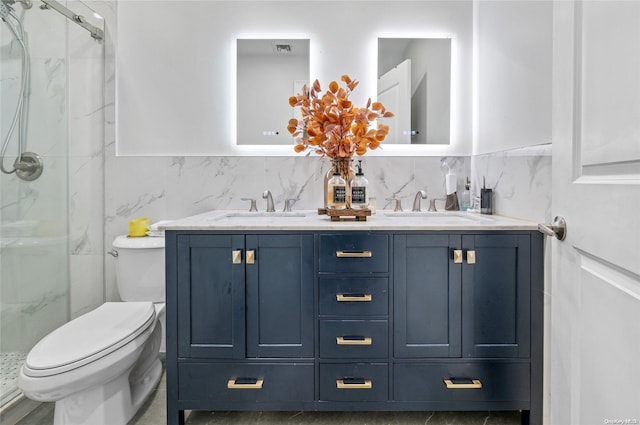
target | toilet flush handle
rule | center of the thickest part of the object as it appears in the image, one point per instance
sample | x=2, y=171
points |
x=113, y=253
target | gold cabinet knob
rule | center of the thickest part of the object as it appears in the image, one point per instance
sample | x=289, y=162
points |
x=471, y=257
x=236, y=256
x=457, y=256
x=251, y=257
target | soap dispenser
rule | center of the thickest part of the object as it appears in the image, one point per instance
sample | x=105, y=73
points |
x=337, y=191
x=359, y=189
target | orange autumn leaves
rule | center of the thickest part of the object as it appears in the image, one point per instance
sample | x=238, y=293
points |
x=332, y=126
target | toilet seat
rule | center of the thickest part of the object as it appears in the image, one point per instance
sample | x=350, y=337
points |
x=89, y=338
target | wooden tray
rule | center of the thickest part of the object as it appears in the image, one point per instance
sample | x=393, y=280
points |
x=337, y=215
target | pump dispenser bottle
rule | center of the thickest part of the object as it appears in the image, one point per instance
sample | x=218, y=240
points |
x=337, y=191
x=359, y=189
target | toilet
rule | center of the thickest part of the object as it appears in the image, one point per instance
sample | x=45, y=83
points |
x=100, y=367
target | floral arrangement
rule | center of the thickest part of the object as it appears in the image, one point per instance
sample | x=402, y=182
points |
x=332, y=126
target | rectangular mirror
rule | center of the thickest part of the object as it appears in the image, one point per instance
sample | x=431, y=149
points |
x=268, y=72
x=414, y=81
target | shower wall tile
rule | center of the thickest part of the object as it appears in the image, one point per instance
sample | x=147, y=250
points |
x=47, y=109
x=86, y=174
x=87, y=292
x=37, y=303
x=88, y=115
x=86, y=106
x=47, y=34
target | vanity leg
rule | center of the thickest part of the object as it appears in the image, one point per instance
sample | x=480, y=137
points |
x=174, y=416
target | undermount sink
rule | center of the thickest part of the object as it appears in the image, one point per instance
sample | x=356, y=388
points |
x=440, y=216
x=258, y=215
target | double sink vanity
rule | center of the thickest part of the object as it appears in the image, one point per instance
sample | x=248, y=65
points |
x=405, y=311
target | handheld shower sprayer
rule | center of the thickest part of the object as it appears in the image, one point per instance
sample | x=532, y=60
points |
x=27, y=165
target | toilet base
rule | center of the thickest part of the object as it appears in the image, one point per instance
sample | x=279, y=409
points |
x=113, y=403
x=117, y=401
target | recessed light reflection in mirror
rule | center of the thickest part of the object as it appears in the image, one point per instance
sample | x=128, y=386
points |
x=269, y=71
x=414, y=81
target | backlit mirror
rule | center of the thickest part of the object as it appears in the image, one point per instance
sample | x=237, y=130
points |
x=414, y=81
x=268, y=72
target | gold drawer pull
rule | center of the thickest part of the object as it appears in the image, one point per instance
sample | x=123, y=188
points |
x=354, y=384
x=475, y=383
x=245, y=384
x=349, y=340
x=471, y=257
x=457, y=256
x=352, y=254
x=353, y=297
x=251, y=257
x=236, y=256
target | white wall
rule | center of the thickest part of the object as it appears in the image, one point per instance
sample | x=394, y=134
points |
x=263, y=82
x=513, y=74
x=176, y=62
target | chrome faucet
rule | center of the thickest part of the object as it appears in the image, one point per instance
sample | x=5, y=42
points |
x=267, y=195
x=416, y=201
x=432, y=204
x=288, y=203
x=253, y=207
x=398, y=206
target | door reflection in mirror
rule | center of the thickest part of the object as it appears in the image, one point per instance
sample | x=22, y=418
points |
x=414, y=81
x=269, y=71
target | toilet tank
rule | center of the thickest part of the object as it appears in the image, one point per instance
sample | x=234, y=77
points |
x=140, y=273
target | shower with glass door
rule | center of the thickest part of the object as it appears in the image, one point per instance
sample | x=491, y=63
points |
x=34, y=184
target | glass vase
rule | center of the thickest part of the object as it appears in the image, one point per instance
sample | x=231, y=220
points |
x=346, y=172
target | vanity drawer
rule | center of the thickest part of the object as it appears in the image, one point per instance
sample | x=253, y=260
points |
x=485, y=381
x=246, y=382
x=354, y=382
x=359, y=296
x=354, y=253
x=354, y=339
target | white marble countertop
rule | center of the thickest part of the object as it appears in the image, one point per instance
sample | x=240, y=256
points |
x=382, y=220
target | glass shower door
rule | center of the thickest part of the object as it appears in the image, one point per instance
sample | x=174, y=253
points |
x=34, y=253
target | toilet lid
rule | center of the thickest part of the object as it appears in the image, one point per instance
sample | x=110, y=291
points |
x=89, y=337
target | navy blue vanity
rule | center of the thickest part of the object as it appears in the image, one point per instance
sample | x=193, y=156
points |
x=354, y=317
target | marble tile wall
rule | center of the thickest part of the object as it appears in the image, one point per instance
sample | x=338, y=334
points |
x=90, y=65
x=520, y=179
x=172, y=187
x=33, y=215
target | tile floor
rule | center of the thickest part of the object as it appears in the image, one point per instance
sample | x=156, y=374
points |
x=153, y=413
x=10, y=363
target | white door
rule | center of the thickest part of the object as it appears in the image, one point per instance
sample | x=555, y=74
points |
x=595, y=292
x=394, y=91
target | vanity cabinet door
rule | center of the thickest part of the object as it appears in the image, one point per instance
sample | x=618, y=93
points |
x=211, y=296
x=427, y=297
x=496, y=300
x=280, y=286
